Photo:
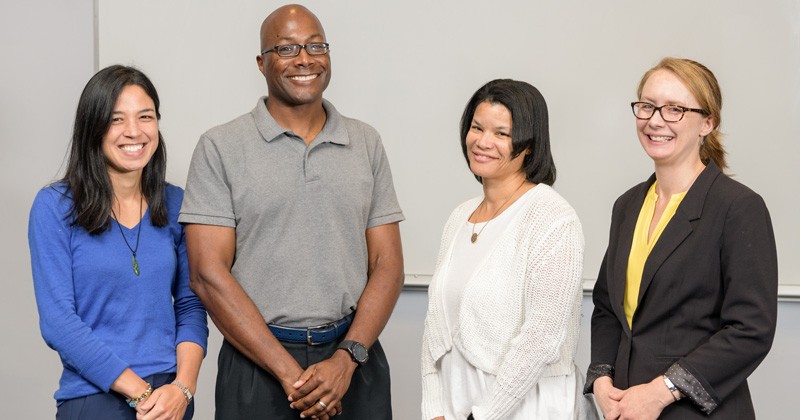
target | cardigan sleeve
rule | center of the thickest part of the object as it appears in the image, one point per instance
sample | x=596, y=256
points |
x=432, y=398
x=554, y=264
x=432, y=336
x=49, y=238
x=749, y=304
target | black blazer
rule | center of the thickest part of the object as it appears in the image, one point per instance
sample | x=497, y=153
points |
x=708, y=297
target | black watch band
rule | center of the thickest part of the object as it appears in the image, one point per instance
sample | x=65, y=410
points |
x=358, y=352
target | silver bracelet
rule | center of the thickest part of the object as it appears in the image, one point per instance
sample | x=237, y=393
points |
x=185, y=390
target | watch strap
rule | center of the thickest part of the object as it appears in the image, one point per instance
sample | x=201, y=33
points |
x=185, y=389
x=350, y=345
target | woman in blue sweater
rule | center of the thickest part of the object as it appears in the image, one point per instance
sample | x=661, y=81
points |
x=109, y=263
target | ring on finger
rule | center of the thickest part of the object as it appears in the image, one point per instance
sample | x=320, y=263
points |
x=325, y=406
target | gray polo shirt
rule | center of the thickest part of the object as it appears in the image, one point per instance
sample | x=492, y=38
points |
x=300, y=211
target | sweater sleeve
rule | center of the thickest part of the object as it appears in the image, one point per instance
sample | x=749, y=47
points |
x=49, y=238
x=432, y=390
x=552, y=294
x=191, y=322
x=432, y=398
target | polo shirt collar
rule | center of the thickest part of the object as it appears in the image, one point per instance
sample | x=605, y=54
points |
x=334, y=130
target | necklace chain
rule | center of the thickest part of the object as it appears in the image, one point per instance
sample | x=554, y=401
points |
x=134, y=263
x=474, y=237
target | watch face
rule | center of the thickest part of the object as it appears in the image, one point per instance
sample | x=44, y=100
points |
x=360, y=353
x=357, y=351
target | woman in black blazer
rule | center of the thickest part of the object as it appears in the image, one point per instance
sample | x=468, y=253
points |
x=686, y=298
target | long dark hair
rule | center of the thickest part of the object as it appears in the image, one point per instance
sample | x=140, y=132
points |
x=529, y=126
x=87, y=169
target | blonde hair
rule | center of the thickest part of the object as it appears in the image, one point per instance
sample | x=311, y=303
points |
x=704, y=87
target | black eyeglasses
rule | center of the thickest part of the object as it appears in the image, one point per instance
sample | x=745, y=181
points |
x=669, y=113
x=293, y=50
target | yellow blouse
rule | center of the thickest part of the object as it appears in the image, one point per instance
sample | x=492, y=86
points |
x=641, y=247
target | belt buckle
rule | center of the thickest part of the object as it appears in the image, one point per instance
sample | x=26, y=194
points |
x=309, y=340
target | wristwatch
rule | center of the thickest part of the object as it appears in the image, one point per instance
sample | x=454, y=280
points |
x=357, y=351
x=185, y=389
x=671, y=387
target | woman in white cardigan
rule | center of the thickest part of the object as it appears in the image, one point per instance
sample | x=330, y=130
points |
x=505, y=299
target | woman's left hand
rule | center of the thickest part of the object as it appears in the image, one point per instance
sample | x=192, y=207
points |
x=643, y=402
x=165, y=403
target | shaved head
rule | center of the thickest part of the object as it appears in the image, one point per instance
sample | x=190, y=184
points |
x=278, y=19
x=294, y=80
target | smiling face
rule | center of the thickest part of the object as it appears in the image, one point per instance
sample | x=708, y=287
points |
x=132, y=136
x=672, y=143
x=300, y=80
x=489, y=147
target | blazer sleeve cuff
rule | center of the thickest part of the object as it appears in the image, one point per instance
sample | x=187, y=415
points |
x=691, y=388
x=595, y=371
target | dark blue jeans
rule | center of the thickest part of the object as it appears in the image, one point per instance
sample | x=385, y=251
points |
x=111, y=405
x=245, y=391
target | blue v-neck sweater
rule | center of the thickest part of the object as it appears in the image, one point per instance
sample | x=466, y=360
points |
x=94, y=311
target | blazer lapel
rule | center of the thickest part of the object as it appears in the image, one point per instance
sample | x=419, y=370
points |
x=623, y=250
x=680, y=227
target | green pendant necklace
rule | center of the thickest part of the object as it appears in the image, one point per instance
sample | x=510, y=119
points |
x=134, y=263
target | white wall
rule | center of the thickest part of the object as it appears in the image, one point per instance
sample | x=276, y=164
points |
x=408, y=68
x=47, y=57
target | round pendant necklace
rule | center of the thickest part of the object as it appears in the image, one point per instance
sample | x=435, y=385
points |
x=134, y=263
x=475, y=235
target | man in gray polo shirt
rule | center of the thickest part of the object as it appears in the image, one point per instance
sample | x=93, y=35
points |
x=291, y=224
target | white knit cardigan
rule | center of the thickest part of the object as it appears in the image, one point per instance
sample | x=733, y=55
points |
x=519, y=316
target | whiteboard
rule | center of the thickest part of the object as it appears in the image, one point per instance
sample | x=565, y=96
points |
x=409, y=67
